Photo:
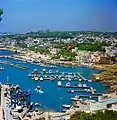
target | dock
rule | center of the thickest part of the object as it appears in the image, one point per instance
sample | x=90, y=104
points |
x=74, y=87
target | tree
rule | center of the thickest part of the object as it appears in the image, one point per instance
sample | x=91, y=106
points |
x=1, y=12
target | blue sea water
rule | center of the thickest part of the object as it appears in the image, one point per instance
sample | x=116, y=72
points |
x=52, y=93
x=6, y=52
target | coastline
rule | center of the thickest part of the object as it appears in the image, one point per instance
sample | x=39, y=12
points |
x=32, y=57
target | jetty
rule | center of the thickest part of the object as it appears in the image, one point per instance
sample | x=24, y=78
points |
x=74, y=87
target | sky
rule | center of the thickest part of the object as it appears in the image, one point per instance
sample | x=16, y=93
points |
x=33, y=15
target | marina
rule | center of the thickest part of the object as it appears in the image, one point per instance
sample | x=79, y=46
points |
x=57, y=95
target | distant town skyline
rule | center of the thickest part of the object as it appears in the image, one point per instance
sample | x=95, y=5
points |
x=33, y=15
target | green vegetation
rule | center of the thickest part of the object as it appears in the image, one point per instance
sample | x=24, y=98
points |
x=67, y=54
x=92, y=46
x=1, y=11
x=107, y=115
x=36, y=48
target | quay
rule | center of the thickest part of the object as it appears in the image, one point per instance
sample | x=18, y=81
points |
x=13, y=65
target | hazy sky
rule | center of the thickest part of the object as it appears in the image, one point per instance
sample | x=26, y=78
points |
x=32, y=15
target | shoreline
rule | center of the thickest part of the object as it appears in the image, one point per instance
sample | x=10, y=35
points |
x=32, y=57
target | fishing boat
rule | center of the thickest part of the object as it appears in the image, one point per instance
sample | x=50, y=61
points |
x=59, y=83
x=68, y=84
x=66, y=106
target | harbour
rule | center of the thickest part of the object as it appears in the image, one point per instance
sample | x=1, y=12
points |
x=56, y=92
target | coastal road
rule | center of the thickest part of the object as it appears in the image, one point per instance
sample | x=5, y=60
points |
x=4, y=106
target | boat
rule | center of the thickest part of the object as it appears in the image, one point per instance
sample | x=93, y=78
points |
x=75, y=98
x=84, y=85
x=59, y=83
x=62, y=78
x=50, y=71
x=35, y=71
x=79, y=85
x=40, y=91
x=38, y=88
x=69, y=79
x=66, y=106
x=41, y=79
x=30, y=75
x=44, y=70
x=80, y=79
x=68, y=84
x=1, y=68
x=36, y=78
x=89, y=80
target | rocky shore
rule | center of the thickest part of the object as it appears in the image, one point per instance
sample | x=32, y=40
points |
x=109, y=77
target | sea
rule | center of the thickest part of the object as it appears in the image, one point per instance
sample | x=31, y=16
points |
x=53, y=97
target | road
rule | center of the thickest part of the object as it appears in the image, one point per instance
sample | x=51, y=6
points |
x=4, y=106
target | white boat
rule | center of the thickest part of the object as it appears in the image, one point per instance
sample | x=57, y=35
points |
x=88, y=90
x=30, y=75
x=79, y=85
x=66, y=106
x=40, y=91
x=62, y=78
x=35, y=70
x=37, y=88
x=84, y=85
x=74, y=99
x=1, y=68
x=50, y=71
x=59, y=83
x=36, y=78
x=68, y=84
x=41, y=79
x=72, y=91
x=80, y=79
x=89, y=80
x=44, y=70
x=69, y=79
